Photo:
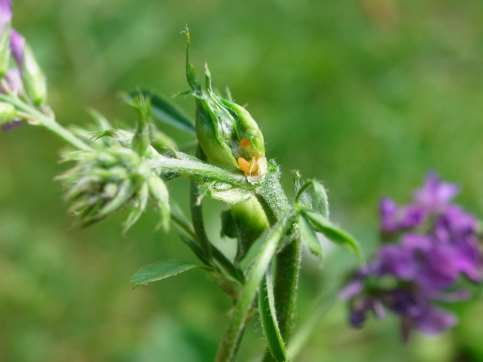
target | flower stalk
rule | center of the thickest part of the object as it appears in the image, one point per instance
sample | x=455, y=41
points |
x=114, y=169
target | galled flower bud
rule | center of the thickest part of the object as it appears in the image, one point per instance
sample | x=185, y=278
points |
x=228, y=134
x=34, y=80
x=214, y=128
x=251, y=145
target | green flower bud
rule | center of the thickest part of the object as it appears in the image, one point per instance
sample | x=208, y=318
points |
x=4, y=52
x=35, y=83
x=249, y=134
x=250, y=145
x=251, y=220
x=227, y=133
x=214, y=128
x=160, y=194
x=141, y=140
x=8, y=113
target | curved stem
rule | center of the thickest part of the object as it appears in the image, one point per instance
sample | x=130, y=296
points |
x=48, y=122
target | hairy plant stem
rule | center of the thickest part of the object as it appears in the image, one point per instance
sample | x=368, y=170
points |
x=286, y=285
x=44, y=120
x=277, y=207
x=231, y=340
x=197, y=214
x=288, y=263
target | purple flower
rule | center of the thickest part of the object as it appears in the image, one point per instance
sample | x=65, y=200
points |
x=17, y=42
x=435, y=194
x=13, y=80
x=5, y=13
x=17, y=47
x=394, y=219
x=434, y=244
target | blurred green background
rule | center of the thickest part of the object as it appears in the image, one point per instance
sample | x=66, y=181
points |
x=366, y=95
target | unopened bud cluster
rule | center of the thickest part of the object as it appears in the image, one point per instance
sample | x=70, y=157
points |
x=20, y=74
x=108, y=177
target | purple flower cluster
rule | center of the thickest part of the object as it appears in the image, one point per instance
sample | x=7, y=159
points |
x=431, y=243
x=12, y=81
x=17, y=42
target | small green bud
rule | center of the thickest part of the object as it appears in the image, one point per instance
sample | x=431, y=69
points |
x=4, y=52
x=8, y=113
x=35, y=83
x=251, y=219
x=160, y=194
x=142, y=139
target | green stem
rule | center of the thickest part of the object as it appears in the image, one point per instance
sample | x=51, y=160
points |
x=220, y=258
x=46, y=121
x=66, y=135
x=286, y=285
x=195, y=168
x=288, y=262
x=232, y=337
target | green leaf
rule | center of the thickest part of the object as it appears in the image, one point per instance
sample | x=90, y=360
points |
x=309, y=237
x=249, y=258
x=160, y=271
x=268, y=318
x=332, y=232
x=166, y=112
x=313, y=196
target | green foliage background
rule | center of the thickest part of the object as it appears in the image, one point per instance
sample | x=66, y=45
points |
x=366, y=95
